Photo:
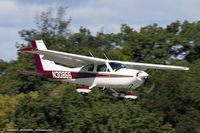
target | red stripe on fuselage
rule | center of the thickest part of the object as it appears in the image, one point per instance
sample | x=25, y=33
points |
x=77, y=75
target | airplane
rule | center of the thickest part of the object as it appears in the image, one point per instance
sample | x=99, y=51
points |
x=91, y=71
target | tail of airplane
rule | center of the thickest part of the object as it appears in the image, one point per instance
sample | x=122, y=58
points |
x=42, y=64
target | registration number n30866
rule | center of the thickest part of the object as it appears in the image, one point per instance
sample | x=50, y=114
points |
x=61, y=75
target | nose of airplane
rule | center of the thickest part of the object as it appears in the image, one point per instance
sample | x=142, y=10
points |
x=142, y=75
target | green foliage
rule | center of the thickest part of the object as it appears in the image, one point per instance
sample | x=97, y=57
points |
x=7, y=110
x=168, y=102
x=2, y=67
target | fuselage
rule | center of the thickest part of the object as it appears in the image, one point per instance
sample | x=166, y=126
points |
x=122, y=78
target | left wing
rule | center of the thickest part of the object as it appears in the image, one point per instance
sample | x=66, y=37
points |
x=73, y=60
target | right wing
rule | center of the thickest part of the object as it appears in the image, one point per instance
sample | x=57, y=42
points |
x=73, y=60
x=144, y=66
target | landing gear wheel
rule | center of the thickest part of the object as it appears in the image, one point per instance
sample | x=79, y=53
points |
x=122, y=95
x=130, y=96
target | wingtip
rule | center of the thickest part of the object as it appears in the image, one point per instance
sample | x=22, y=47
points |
x=187, y=68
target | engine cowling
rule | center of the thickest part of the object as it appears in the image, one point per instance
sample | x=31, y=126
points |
x=141, y=75
x=83, y=89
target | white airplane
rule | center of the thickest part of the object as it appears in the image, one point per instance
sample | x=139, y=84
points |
x=91, y=71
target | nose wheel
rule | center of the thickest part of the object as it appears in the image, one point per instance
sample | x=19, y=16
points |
x=131, y=96
x=121, y=95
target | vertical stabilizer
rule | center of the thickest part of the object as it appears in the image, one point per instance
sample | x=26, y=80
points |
x=42, y=64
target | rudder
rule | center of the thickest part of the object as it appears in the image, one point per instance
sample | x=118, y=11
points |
x=42, y=64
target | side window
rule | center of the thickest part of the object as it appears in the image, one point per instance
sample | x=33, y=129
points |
x=116, y=66
x=101, y=68
x=88, y=68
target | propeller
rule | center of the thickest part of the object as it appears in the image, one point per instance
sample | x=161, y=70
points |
x=152, y=87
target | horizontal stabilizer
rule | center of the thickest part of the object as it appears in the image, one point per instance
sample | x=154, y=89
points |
x=28, y=49
x=32, y=73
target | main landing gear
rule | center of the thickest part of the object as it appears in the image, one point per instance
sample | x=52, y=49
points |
x=84, y=90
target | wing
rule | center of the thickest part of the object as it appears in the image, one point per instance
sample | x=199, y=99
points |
x=75, y=60
x=72, y=60
x=68, y=59
x=144, y=66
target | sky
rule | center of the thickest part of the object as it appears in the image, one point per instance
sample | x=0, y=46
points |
x=95, y=15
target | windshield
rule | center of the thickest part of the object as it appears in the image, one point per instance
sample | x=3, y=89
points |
x=116, y=66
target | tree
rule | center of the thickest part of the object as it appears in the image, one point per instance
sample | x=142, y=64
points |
x=7, y=110
x=173, y=98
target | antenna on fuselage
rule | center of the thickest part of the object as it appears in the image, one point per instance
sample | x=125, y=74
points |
x=91, y=53
x=105, y=56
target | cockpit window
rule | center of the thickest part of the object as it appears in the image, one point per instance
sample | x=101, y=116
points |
x=88, y=68
x=116, y=66
x=102, y=68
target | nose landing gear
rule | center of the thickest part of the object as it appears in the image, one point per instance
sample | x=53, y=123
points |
x=121, y=95
x=130, y=96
